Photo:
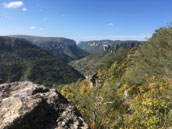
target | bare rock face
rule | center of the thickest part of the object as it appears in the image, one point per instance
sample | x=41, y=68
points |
x=24, y=105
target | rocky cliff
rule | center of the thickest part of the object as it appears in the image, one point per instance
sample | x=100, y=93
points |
x=24, y=105
x=107, y=45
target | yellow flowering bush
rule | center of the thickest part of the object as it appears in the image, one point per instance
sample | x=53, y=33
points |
x=152, y=106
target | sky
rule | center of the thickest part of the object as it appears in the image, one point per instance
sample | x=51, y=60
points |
x=84, y=20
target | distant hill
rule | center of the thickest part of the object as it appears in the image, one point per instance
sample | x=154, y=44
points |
x=21, y=60
x=88, y=65
x=98, y=45
x=64, y=49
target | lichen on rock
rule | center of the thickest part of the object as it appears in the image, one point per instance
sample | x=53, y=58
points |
x=24, y=105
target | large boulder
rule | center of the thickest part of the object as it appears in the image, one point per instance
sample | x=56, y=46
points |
x=24, y=105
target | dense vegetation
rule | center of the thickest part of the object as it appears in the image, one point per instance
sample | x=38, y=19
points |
x=88, y=65
x=136, y=90
x=21, y=60
x=64, y=49
x=98, y=45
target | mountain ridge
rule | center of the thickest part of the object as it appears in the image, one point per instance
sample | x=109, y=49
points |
x=63, y=48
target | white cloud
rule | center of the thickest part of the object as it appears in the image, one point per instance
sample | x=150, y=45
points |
x=15, y=4
x=32, y=27
x=24, y=9
x=110, y=24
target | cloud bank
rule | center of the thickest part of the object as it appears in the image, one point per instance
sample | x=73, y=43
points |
x=15, y=4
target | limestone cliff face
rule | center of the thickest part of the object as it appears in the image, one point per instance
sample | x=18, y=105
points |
x=24, y=105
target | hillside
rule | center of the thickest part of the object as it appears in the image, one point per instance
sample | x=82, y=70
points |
x=21, y=60
x=135, y=91
x=98, y=45
x=62, y=48
x=88, y=65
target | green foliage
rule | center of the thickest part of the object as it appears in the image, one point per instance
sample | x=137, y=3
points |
x=152, y=106
x=98, y=105
x=153, y=59
x=118, y=57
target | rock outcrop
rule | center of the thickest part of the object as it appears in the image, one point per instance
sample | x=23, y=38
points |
x=92, y=79
x=108, y=48
x=24, y=105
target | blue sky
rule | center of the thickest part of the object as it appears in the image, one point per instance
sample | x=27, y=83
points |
x=85, y=19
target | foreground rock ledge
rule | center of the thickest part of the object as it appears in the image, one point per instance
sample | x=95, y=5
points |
x=24, y=105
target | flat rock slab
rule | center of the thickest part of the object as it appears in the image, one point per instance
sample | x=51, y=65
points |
x=24, y=105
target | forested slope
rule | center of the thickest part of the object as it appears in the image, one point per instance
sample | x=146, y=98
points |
x=135, y=92
x=21, y=60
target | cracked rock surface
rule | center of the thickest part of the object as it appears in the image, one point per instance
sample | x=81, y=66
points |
x=24, y=105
